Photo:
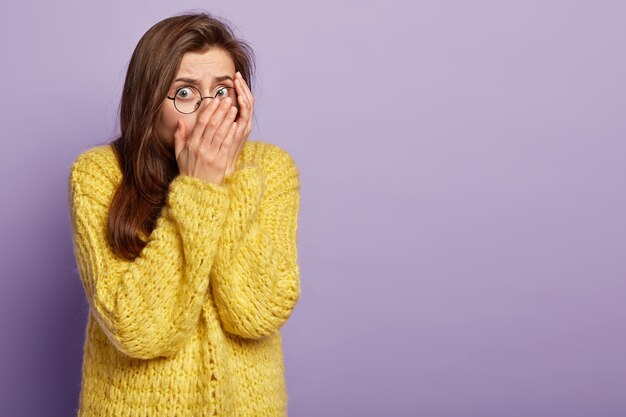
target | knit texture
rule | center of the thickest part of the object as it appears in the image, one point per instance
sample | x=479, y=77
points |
x=191, y=326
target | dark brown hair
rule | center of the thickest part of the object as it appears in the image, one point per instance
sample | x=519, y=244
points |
x=148, y=164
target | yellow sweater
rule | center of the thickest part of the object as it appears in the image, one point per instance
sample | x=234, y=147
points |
x=191, y=326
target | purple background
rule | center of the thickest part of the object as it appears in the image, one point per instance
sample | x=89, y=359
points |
x=462, y=228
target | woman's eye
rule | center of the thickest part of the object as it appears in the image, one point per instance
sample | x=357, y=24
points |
x=221, y=92
x=184, y=93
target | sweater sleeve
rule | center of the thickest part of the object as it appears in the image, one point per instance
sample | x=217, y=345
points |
x=256, y=279
x=147, y=307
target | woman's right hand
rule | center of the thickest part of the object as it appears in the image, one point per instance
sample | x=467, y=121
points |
x=204, y=154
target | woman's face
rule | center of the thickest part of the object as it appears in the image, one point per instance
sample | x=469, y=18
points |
x=208, y=72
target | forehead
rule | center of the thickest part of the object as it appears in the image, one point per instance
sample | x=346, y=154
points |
x=206, y=65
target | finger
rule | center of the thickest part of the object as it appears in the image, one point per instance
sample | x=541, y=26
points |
x=214, y=123
x=249, y=124
x=179, y=138
x=243, y=85
x=243, y=89
x=241, y=130
x=227, y=143
x=226, y=125
x=248, y=103
x=217, y=129
x=237, y=145
x=204, y=116
x=244, y=105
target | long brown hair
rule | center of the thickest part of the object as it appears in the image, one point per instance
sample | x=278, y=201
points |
x=148, y=164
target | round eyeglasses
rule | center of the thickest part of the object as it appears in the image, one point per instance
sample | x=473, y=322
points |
x=187, y=99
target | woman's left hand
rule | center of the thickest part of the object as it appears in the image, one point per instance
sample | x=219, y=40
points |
x=244, y=122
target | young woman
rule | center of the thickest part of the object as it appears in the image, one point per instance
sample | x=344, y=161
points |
x=185, y=237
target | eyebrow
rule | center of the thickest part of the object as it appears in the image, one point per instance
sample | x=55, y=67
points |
x=194, y=81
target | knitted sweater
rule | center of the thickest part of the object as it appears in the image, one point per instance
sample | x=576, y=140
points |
x=191, y=326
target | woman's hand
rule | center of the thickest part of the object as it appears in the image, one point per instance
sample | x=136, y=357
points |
x=205, y=153
x=244, y=122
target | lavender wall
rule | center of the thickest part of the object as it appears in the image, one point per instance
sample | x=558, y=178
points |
x=462, y=227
